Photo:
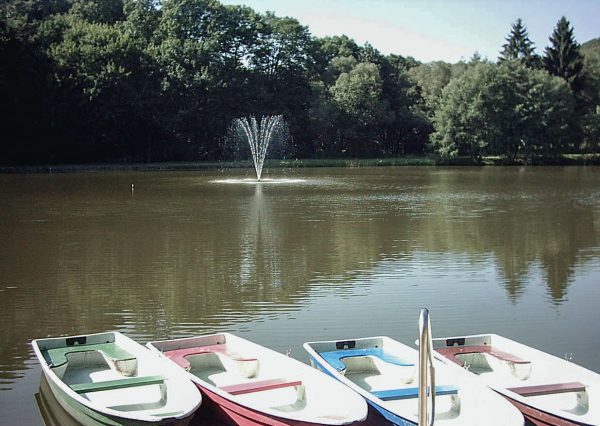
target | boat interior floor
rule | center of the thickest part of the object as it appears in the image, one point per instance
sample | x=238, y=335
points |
x=89, y=368
x=212, y=369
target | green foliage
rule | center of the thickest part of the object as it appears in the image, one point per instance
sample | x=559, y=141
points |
x=357, y=94
x=505, y=110
x=591, y=131
x=430, y=79
x=590, y=47
x=152, y=80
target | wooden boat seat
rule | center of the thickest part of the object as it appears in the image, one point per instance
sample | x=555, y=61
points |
x=452, y=352
x=179, y=355
x=58, y=356
x=408, y=393
x=548, y=389
x=259, y=386
x=117, y=384
x=334, y=358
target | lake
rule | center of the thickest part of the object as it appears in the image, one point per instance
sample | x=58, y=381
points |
x=316, y=254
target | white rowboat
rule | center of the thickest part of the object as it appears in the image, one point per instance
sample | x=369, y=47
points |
x=109, y=379
x=251, y=385
x=385, y=373
x=548, y=390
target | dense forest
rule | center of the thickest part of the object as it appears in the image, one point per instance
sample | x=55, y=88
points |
x=147, y=80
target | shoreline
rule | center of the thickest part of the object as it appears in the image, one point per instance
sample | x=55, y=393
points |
x=564, y=160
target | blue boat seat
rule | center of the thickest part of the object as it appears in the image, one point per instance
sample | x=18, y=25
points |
x=334, y=358
x=407, y=393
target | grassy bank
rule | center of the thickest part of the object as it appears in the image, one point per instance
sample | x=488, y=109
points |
x=207, y=165
x=569, y=159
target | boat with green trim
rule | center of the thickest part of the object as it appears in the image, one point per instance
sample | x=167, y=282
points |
x=109, y=379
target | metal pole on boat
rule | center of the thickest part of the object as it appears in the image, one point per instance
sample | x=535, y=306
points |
x=426, y=370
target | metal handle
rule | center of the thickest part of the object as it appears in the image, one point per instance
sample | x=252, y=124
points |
x=426, y=370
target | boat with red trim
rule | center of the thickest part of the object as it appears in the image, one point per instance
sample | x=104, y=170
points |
x=548, y=390
x=248, y=385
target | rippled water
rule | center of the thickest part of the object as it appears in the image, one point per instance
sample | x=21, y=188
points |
x=320, y=254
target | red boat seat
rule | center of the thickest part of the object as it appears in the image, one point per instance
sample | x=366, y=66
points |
x=179, y=355
x=452, y=352
x=548, y=389
x=259, y=386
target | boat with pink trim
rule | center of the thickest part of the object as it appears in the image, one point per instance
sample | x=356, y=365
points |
x=548, y=390
x=248, y=384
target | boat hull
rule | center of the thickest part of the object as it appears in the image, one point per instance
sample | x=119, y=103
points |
x=50, y=409
x=88, y=416
x=223, y=410
x=541, y=418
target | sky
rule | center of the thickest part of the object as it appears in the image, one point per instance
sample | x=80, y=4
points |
x=448, y=30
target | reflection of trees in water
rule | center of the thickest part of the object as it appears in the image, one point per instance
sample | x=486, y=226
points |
x=181, y=260
x=531, y=219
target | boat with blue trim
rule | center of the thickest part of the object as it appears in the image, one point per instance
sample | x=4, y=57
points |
x=386, y=373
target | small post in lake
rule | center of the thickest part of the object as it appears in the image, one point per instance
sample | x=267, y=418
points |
x=259, y=136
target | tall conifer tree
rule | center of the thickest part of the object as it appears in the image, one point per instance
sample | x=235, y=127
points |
x=563, y=58
x=518, y=46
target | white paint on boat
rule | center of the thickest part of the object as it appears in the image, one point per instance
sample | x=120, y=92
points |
x=318, y=399
x=473, y=404
x=172, y=401
x=541, y=369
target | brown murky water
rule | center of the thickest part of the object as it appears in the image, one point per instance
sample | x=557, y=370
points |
x=329, y=253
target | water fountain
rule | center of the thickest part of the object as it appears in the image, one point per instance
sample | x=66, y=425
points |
x=259, y=136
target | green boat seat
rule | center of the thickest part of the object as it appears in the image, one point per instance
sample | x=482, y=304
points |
x=117, y=384
x=58, y=356
x=334, y=358
x=408, y=393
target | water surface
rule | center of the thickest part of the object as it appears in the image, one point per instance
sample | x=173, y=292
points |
x=323, y=254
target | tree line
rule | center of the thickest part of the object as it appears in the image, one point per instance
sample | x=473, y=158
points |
x=148, y=80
